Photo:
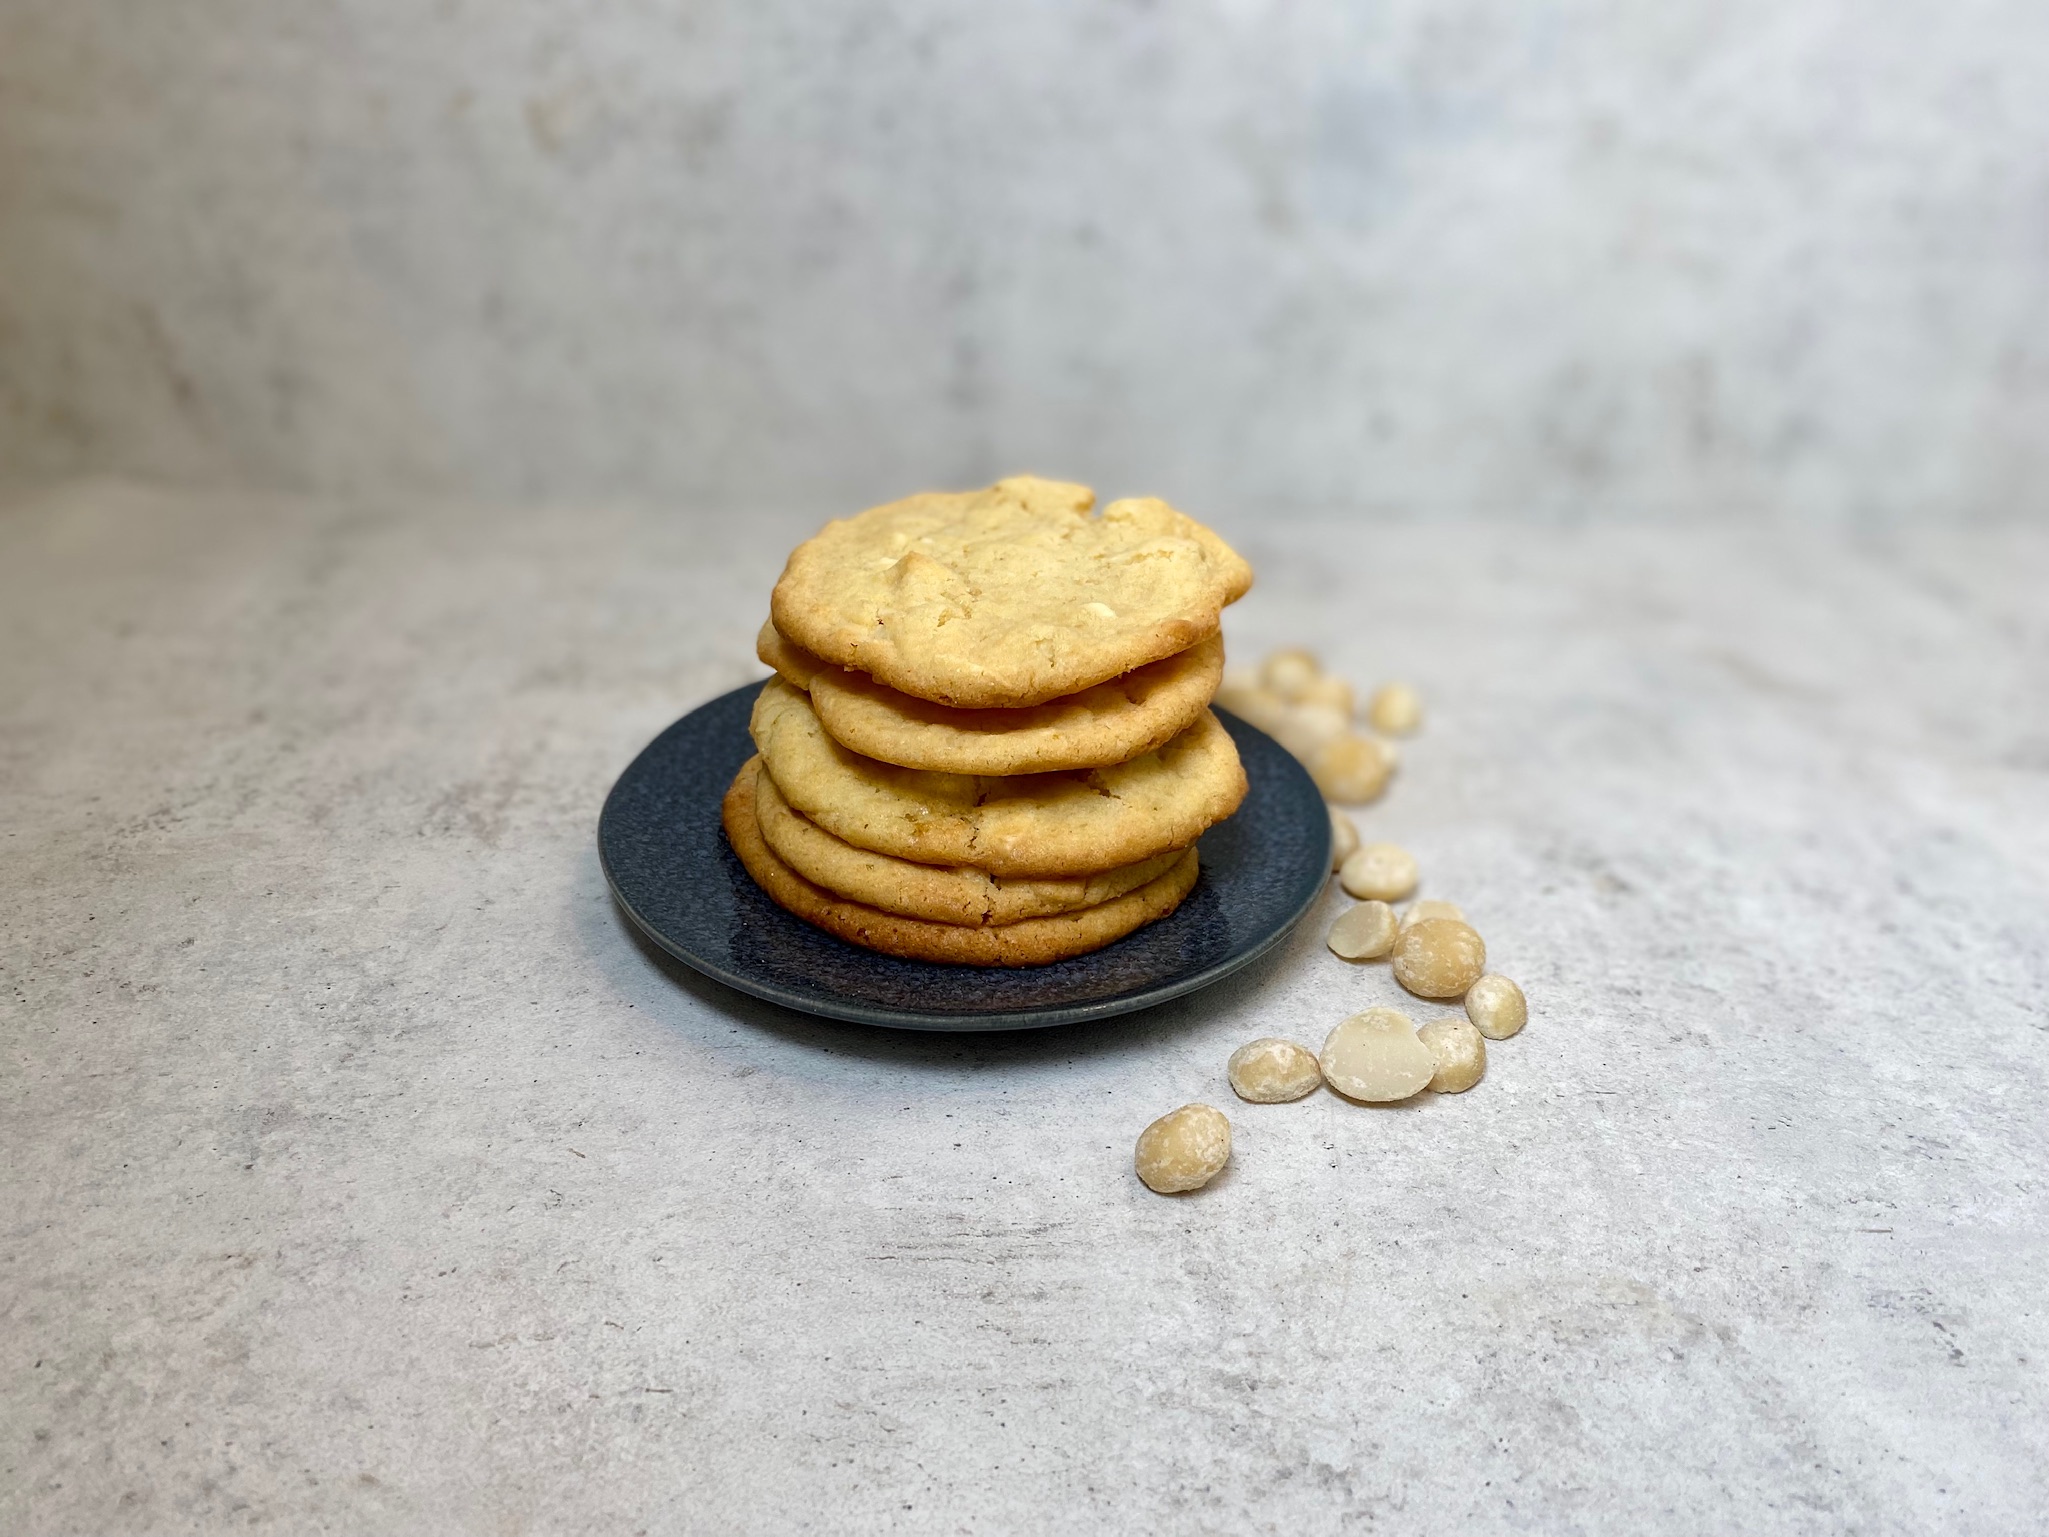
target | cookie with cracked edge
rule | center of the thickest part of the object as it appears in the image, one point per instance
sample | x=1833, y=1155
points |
x=1016, y=825
x=1108, y=723
x=1011, y=595
x=935, y=892
x=1031, y=942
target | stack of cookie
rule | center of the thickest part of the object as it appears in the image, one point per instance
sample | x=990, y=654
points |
x=988, y=740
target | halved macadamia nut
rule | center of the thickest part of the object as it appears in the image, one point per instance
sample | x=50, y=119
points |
x=1377, y=1057
x=1364, y=933
x=1380, y=872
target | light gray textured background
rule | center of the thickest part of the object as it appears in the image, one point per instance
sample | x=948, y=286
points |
x=363, y=1175
x=1574, y=257
x=1661, y=388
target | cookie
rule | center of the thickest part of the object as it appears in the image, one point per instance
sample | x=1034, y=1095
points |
x=934, y=892
x=1032, y=942
x=1113, y=722
x=793, y=664
x=1022, y=825
x=1008, y=596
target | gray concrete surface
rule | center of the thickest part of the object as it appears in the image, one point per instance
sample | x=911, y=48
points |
x=1440, y=255
x=363, y=1175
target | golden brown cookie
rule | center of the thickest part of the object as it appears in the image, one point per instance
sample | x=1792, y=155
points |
x=1033, y=942
x=1022, y=825
x=793, y=664
x=934, y=892
x=1112, y=722
x=1008, y=596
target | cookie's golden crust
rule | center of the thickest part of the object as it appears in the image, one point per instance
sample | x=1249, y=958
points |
x=932, y=892
x=793, y=664
x=1008, y=596
x=1110, y=723
x=1020, y=825
x=1033, y=942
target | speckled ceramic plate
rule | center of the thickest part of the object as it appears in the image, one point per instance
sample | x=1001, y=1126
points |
x=679, y=881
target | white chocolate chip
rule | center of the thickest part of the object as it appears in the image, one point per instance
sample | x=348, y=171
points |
x=1184, y=1149
x=1351, y=768
x=1383, y=872
x=1497, y=1006
x=1344, y=837
x=1101, y=610
x=1439, y=958
x=1289, y=672
x=1428, y=907
x=1394, y=709
x=1377, y=1057
x=1460, y=1053
x=1365, y=933
x=1271, y=1071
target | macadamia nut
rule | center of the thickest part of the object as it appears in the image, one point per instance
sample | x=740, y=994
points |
x=1377, y=1057
x=1394, y=709
x=1460, y=1052
x=1365, y=933
x=1344, y=838
x=1439, y=957
x=1497, y=1006
x=1303, y=728
x=1272, y=1071
x=1237, y=689
x=1184, y=1149
x=1288, y=673
x=1382, y=872
x=1329, y=692
x=1351, y=768
x=1261, y=707
x=1416, y=912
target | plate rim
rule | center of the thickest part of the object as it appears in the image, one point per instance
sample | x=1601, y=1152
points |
x=854, y=1012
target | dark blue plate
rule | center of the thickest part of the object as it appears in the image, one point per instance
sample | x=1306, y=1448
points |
x=673, y=872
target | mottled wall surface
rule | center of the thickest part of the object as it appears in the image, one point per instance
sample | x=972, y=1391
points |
x=1706, y=255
